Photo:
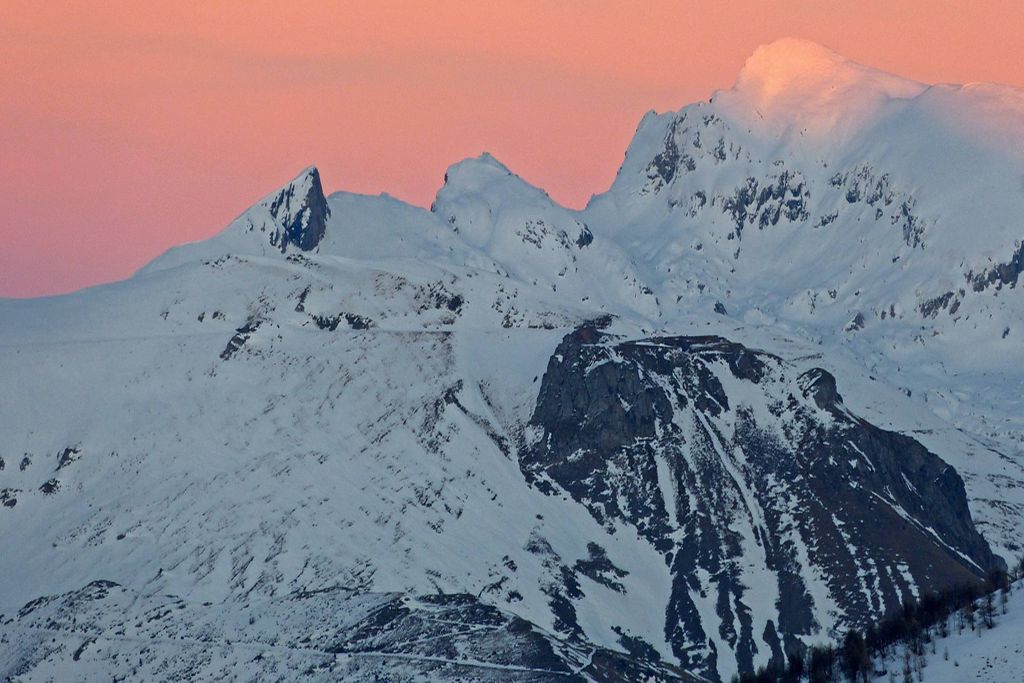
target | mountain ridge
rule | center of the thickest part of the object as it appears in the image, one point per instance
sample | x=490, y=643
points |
x=348, y=393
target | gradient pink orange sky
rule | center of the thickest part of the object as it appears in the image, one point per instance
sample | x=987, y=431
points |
x=128, y=127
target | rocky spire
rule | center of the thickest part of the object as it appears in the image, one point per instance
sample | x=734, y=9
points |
x=299, y=212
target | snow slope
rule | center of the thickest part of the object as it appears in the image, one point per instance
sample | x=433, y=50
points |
x=335, y=392
x=995, y=654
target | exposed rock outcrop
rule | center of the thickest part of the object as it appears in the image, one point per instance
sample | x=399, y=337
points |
x=773, y=505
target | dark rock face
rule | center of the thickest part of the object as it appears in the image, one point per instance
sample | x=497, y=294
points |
x=667, y=160
x=584, y=238
x=931, y=307
x=784, y=195
x=331, y=322
x=300, y=212
x=778, y=192
x=820, y=385
x=68, y=456
x=9, y=497
x=752, y=481
x=1005, y=274
x=241, y=336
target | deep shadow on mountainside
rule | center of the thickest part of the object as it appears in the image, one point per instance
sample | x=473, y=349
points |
x=720, y=455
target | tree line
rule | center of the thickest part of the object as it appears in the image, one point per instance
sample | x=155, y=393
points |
x=865, y=654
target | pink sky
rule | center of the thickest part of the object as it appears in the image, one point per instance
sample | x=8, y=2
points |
x=126, y=128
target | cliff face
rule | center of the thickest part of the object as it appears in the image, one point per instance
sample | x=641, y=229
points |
x=775, y=507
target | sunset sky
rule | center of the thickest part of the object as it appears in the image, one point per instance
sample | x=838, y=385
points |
x=126, y=128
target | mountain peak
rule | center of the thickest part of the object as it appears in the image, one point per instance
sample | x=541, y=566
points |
x=794, y=65
x=796, y=81
x=483, y=177
x=787, y=59
x=298, y=212
x=474, y=170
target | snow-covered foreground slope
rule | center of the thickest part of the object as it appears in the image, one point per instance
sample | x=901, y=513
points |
x=105, y=630
x=798, y=401
x=982, y=654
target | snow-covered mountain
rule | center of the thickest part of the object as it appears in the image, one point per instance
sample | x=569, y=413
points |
x=764, y=388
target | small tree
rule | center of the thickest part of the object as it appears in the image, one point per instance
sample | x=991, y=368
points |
x=821, y=663
x=908, y=669
x=794, y=667
x=988, y=611
x=855, y=660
